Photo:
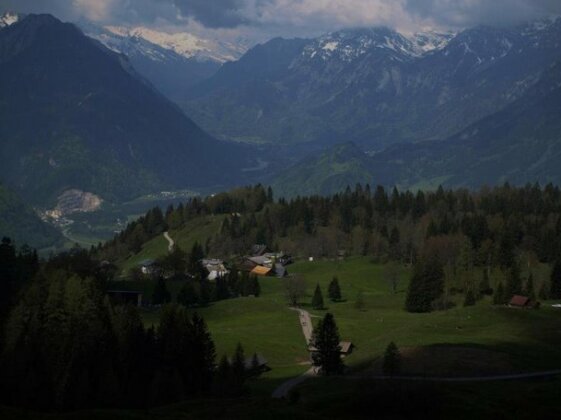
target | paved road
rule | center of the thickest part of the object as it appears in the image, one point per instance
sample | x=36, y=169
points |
x=283, y=390
x=170, y=241
x=307, y=328
x=543, y=374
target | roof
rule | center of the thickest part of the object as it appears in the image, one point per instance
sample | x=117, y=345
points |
x=261, y=271
x=346, y=346
x=262, y=260
x=147, y=263
x=518, y=300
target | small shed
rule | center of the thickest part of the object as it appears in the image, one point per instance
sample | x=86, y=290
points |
x=519, y=301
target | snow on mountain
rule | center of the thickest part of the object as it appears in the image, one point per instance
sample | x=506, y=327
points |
x=431, y=40
x=184, y=44
x=8, y=19
x=348, y=45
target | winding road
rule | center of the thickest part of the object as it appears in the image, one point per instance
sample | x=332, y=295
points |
x=170, y=241
x=307, y=329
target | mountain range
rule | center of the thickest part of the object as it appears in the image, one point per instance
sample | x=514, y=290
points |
x=76, y=115
x=518, y=144
x=374, y=87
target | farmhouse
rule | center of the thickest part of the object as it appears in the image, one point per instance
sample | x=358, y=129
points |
x=148, y=267
x=258, y=250
x=518, y=301
x=215, y=268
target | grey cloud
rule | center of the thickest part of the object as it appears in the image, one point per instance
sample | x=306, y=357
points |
x=465, y=13
x=214, y=14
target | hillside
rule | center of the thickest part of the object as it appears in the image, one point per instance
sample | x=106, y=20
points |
x=97, y=125
x=20, y=223
x=325, y=173
x=519, y=144
x=374, y=87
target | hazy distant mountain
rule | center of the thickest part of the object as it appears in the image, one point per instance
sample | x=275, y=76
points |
x=375, y=87
x=519, y=144
x=171, y=73
x=74, y=114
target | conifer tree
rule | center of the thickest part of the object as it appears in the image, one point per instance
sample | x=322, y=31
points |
x=360, y=303
x=427, y=285
x=325, y=341
x=499, y=295
x=513, y=282
x=187, y=296
x=530, y=290
x=543, y=293
x=469, y=298
x=485, y=285
x=392, y=360
x=317, y=300
x=161, y=293
x=334, y=290
x=555, y=284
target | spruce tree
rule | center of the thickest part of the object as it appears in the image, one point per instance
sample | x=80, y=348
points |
x=555, y=285
x=530, y=290
x=485, y=285
x=426, y=285
x=469, y=298
x=360, y=303
x=513, y=282
x=317, y=300
x=499, y=295
x=187, y=296
x=334, y=290
x=161, y=293
x=238, y=369
x=392, y=360
x=327, y=351
x=543, y=293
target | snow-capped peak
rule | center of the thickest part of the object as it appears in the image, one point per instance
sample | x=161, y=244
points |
x=184, y=44
x=8, y=19
x=431, y=40
x=350, y=44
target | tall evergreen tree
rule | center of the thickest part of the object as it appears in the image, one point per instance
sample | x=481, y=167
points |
x=187, y=296
x=469, y=299
x=334, y=290
x=555, y=284
x=317, y=300
x=530, y=289
x=392, y=360
x=499, y=295
x=427, y=285
x=327, y=351
x=161, y=293
x=513, y=281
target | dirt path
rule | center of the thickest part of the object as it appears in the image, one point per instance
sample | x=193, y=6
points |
x=307, y=329
x=170, y=241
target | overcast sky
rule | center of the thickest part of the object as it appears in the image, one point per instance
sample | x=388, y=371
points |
x=261, y=19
